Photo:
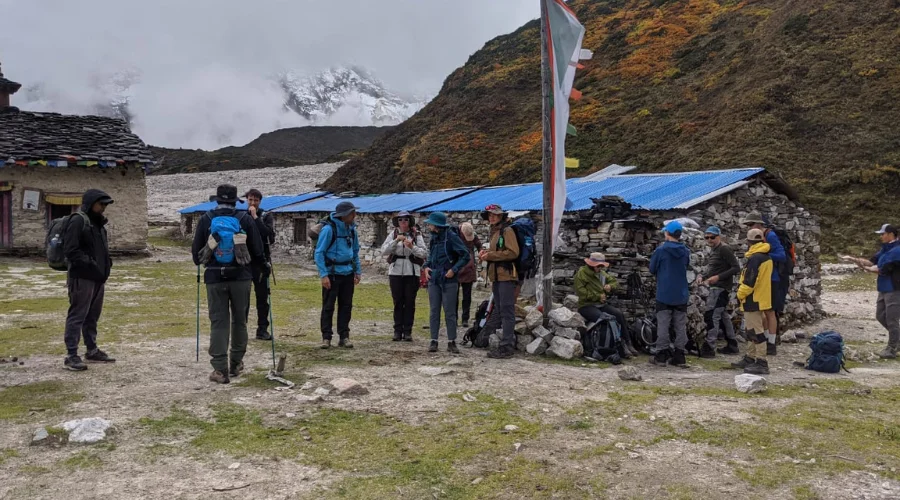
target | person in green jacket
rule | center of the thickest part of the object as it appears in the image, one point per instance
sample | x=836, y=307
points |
x=593, y=286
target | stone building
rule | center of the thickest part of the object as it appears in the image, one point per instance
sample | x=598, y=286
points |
x=48, y=160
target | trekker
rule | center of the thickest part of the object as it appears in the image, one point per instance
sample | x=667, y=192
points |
x=669, y=264
x=406, y=252
x=755, y=296
x=719, y=276
x=468, y=274
x=779, y=286
x=87, y=252
x=447, y=255
x=887, y=264
x=265, y=224
x=337, y=260
x=593, y=286
x=501, y=254
x=227, y=242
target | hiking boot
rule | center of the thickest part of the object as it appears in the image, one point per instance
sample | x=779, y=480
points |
x=501, y=354
x=326, y=344
x=660, y=358
x=623, y=352
x=678, y=359
x=743, y=363
x=465, y=323
x=760, y=367
x=236, y=370
x=451, y=348
x=218, y=377
x=263, y=335
x=75, y=363
x=631, y=349
x=731, y=348
x=707, y=351
x=99, y=356
x=433, y=347
x=345, y=343
x=397, y=337
x=888, y=353
x=407, y=337
x=771, y=349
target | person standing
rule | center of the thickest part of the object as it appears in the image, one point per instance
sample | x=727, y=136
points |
x=406, y=252
x=719, y=276
x=887, y=264
x=755, y=296
x=86, y=247
x=468, y=275
x=265, y=224
x=337, y=260
x=780, y=284
x=447, y=255
x=669, y=264
x=227, y=242
x=501, y=255
x=594, y=286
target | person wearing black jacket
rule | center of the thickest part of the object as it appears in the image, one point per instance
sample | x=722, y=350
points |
x=86, y=247
x=719, y=276
x=265, y=224
x=227, y=284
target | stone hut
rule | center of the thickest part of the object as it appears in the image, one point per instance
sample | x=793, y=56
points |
x=48, y=160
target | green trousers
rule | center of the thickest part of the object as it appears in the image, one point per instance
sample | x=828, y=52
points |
x=229, y=305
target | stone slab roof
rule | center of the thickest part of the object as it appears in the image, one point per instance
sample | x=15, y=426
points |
x=66, y=140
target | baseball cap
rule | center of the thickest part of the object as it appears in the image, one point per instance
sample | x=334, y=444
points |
x=755, y=235
x=713, y=230
x=674, y=227
x=887, y=228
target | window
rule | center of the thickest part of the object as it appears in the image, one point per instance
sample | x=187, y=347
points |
x=56, y=211
x=300, y=237
x=189, y=225
x=381, y=231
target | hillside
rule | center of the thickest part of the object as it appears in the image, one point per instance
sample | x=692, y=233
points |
x=281, y=148
x=809, y=89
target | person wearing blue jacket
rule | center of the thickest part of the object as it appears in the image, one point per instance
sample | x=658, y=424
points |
x=447, y=255
x=669, y=264
x=337, y=260
x=780, y=284
x=887, y=264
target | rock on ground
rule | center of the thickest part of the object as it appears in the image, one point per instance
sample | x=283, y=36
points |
x=302, y=398
x=571, y=302
x=534, y=320
x=789, y=337
x=565, y=348
x=749, y=384
x=87, y=430
x=566, y=318
x=537, y=347
x=522, y=342
x=348, y=387
x=569, y=333
x=434, y=371
x=630, y=373
x=494, y=342
x=542, y=333
x=40, y=436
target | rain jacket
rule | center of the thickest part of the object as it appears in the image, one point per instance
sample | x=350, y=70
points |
x=337, y=254
x=403, y=265
x=86, y=243
x=755, y=290
x=502, y=255
x=776, y=252
x=888, y=262
x=446, y=251
x=589, y=286
x=669, y=264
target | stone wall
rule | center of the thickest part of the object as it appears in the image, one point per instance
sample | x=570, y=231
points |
x=127, y=226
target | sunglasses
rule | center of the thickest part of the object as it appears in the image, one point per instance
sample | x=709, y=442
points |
x=403, y=219
x=711, y=237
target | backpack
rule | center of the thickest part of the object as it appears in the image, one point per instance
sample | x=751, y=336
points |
x=223, y=228
x=314, y=232
x=477, y=336
x=54, y=242
x=786, y=268
x=526, y=262
x=827, y=353
x=602, y=339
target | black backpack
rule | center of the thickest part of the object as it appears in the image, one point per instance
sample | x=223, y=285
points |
x=477, y=336
x=786, y=268
x=54, y=242
x=827, y=353
x=601, y=341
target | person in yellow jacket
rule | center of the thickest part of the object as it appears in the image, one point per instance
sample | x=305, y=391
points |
x=755, y=296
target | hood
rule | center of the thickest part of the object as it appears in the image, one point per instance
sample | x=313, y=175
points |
x=338, y=222
x=886, y=247
x=90, y=197
x=676, y=250
x=758, y=248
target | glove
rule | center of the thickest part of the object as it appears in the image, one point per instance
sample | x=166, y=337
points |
x=241, y=252
x=206, y=252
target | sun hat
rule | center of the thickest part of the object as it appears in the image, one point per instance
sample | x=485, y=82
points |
x=226, y=193
x=753, y=218
x=596, y=259
x=437, y=219
x=344, y=209
x=402, y=214
x=493, y=209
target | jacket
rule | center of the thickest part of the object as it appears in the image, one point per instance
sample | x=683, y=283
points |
x=446, y=251
x=589, y=285
x=218, y=273
x=86, y=243
x=669, y=264
x=888, y=261
x=265, y=224
x=403, y=265
x=337, y=254
x=468, y=274
x=776, y=252
x=501, y=255
x=724, y=264
x=755, y=290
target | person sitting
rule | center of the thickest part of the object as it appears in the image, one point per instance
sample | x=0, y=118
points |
x=593, y=286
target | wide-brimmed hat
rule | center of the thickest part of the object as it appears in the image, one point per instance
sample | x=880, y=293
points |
x=226, y=193
x=402, y=214
x=437, y=219
x=493, y=209
x=596, y=259
x=344, y=209
x=753, y=218
x=755, y=236
x=887, y=228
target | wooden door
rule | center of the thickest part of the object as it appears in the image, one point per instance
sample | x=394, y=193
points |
x=5, y=219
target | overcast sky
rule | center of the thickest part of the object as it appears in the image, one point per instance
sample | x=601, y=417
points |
x=207, y=59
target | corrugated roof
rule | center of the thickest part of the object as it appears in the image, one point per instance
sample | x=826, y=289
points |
x=386, y=203
x=269, y=203
x=516, y=197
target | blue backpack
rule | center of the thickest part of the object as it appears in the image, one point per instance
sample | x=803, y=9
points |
x=223, y=228
x=526, y=263
x=827, y=353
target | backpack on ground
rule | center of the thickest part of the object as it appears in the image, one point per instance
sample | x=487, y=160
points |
x=601, y=340
x=827, y=353
x=54, y=242
x=223, y=228
x=477, y=336
x=526, y=262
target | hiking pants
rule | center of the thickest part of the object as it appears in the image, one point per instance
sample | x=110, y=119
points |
x=671, y=316
x=592, y=313
x=755, y=326
x=404, y=290
x=85, y=306
x=887, y=311
x=503, y=315
x=716, y=314
x=779, y=294
x=341, y=292
x=262, y=291
x=229, y=306
x=465, y=290
x=443, y=295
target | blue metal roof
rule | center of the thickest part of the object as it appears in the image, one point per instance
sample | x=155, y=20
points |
x=269, y=203
x=517, y=197
x=386, y=203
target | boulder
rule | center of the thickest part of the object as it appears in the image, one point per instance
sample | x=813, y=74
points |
x=542, y=332
x=565, y=348
x=534, y=320
x=749, y=384
x=520, y=328
x=566, y=318
x=87, y=430
x=630, y=373
x=494, y=342
x=348, y=387
x=537, y=347
x=571, y=302
x=522, y=341
x=569, y=333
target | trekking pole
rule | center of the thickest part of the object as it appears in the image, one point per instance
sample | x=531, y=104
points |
x=271, y=321
x=197, y=360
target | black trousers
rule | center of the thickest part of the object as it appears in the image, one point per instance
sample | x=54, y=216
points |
x=261, y=289
x=465, y=291
x=85, y=307
x=341, y=293
x=404, y=290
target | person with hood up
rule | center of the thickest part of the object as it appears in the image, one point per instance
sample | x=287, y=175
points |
x=719, y=276
x=227, y=242
x=594, y=286
x=468, y=275
x=501, y=255
x=755, y=296
x=447, y=255
x=406, y=252
x=86, y=247
x=669, y=264
x=887, y=264
x=265, y=224
x=337, y=260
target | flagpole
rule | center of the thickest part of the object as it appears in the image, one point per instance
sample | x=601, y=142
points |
x=547, y=166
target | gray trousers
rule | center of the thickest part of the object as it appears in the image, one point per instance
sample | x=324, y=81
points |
x=85, y=307
x=717, y=312
x=444, y=295
x=666, y=317
x=229, y=306
x=503, y=315
x=887, y=311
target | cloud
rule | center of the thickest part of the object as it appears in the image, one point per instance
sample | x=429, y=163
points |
x=204, y=64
